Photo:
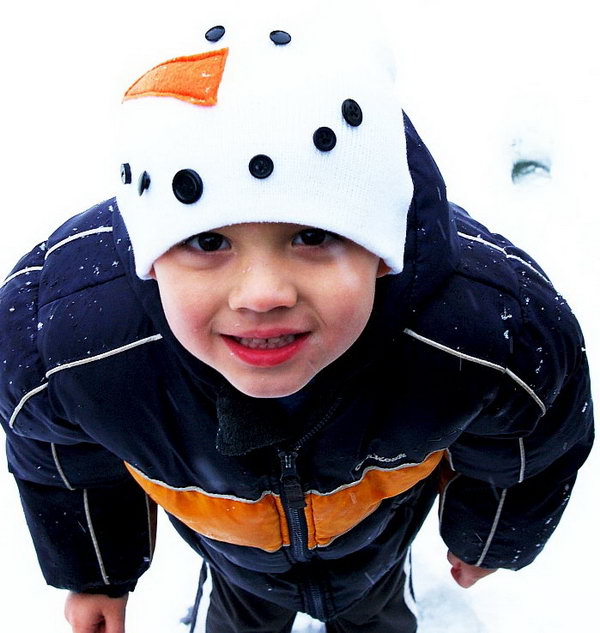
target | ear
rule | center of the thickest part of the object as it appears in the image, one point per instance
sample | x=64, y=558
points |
x=382, y=269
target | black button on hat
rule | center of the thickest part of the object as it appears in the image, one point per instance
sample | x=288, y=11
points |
x=352, y=112
x=144, y=183
x=126, y=173
x=324, y=139
x=187, y=186
x=261, y=166
x=281, y=38
x=215, y=34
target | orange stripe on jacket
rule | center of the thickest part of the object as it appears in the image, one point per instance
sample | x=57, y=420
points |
x=195, y=79
x=262, y=523
x=334, y=514
x=255, y=524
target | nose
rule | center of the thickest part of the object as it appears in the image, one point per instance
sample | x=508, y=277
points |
x=263, y=286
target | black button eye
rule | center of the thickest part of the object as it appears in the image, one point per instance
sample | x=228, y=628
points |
x=187, y=186
x=215, y=34
x=144, y=183
x=281, y=38
x=261, y=166
x=126, y=173
x=352, y=113
x=324, y=139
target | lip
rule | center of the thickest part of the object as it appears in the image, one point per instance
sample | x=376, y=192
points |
x=266, y=357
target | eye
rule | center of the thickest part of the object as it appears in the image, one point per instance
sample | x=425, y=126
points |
x=208, y=242
x=314, y=237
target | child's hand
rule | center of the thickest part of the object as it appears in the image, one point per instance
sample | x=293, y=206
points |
x=95, y=613
x=466, y=575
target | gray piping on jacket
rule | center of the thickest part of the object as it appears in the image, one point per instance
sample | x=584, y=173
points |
x=443, y=500
x=23, y=271
x=22, y=402
x=112, y=352
x=483, y=362
x=450, y=459
x=409, y=598
x=150, y=539
x=493, y=530
x=76, y=236
x=213, y=495
x=523, y=461
x=59, y=467
x=480, y=240
x=88, y=517
x=83, y=361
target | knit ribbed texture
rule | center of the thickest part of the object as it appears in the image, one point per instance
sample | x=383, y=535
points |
x=270, y=101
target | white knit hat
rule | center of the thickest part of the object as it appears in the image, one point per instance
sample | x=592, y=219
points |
x=290, y=116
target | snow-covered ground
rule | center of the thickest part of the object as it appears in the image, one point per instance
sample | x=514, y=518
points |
x=486, y=84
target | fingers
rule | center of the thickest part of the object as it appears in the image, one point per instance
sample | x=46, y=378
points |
x=80, y=616
x=114, y=617
x=95, y=613
x=464, y=574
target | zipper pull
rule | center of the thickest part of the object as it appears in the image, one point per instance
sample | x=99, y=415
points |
x=291, y=481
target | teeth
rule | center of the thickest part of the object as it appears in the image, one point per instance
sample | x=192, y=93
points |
x=267, y=343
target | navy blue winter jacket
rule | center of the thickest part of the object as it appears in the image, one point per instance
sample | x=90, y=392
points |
x=470, y=377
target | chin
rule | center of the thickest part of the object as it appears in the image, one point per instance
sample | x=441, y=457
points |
x=266, y=389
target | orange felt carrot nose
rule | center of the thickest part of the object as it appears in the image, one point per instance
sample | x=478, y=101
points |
x=195, y=79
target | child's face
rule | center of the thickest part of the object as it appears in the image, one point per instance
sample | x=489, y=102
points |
x=268, y=305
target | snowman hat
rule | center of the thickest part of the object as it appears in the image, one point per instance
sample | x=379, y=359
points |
x=291, y=115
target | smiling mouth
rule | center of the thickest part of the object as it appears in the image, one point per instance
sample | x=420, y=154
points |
x=276, y=342
x=267, y=351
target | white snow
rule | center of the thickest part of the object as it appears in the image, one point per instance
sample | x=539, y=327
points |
x=487, y=85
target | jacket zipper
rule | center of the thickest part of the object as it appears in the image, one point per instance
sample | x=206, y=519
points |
x=292, y=497
x=294, y=504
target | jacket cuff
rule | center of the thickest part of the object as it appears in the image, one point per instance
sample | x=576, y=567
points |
x=112, y=591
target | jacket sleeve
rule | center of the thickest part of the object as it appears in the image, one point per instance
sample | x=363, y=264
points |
x=91, y=525
x=94, y=535
x=513, y=470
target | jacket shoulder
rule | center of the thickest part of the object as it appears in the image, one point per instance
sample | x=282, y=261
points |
x=21, y=369
x=500, y=311
x=548, y=344
x=66, y=300
x=86, y=304
x=80, y=254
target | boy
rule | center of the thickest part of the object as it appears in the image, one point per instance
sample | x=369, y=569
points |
x=282, y=333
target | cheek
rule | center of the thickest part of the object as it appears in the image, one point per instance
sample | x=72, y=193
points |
x=348, y=308
x=185, y=319
x=354, y=315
